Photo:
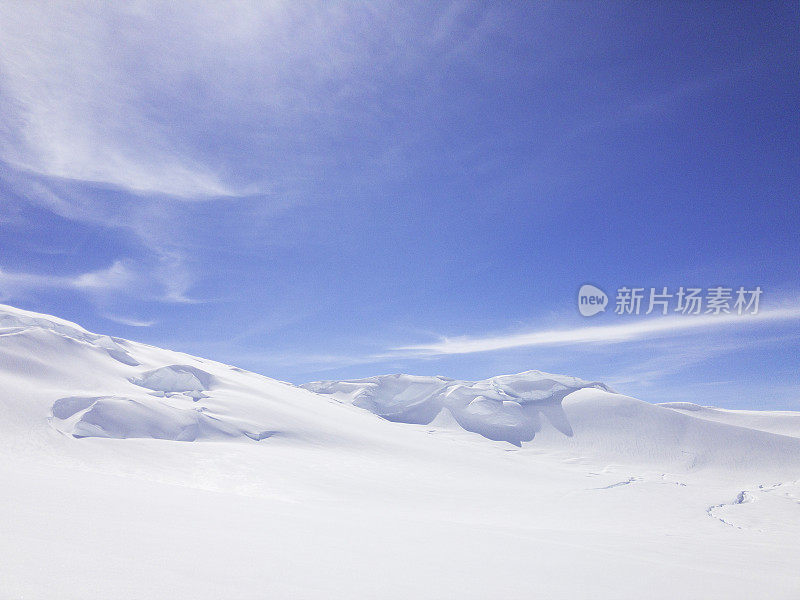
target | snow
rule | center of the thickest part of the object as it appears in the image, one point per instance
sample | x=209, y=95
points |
x=128, y=471
x=584, y=418
x=507, y=408
x=114, y=417
x=176, y=378
x=782, y=422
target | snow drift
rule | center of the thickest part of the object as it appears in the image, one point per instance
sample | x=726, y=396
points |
x=507, y=408
x=580, y=417
x=87, y=385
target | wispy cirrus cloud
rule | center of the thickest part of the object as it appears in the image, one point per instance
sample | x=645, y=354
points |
x=129, y=321
x=77, y=106
x=118, y=114
x=201, y=100
x=601, y=334
x=116, y=277
x=121, y=277
x=646, y=351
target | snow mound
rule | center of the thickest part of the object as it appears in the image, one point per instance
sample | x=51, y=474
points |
x=120, y=418
x=509, y=408
x=399, y=398
x=64, y=408
x=175, y=379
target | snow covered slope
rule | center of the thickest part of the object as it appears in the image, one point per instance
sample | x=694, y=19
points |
x=56, y=375
x=774, y=421
x=584, y=418
x=128, y=471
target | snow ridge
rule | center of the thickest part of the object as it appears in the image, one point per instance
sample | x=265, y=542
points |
x=510, y=408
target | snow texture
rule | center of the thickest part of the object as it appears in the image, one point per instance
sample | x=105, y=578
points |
x=130, y=472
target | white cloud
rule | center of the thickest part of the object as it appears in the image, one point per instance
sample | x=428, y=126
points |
x=600, y=334
x=207, y=99
x=129, y=321
x=119, y=279
x=194, y=101
x=116, y=277
x=80, y=88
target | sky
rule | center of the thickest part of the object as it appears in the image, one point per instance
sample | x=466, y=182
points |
x=339, y=190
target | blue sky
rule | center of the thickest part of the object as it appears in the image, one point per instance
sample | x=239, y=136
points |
x=320, y=191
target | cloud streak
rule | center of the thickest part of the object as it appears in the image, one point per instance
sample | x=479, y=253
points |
x=77, y=105
x=200, y=100
x=117, y=115
x=601, y=334
x=118, y=279
x=130, y=322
